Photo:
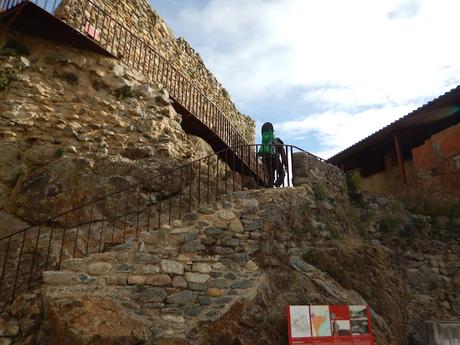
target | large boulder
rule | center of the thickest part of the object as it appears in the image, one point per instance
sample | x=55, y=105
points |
x=91, y=320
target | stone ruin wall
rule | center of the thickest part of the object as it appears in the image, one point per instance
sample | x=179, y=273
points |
x=140, y=18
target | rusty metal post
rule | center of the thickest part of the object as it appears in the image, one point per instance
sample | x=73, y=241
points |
x=199, y=183
x=402, y=170
x=89, y=230
x=170, y=198
x=190, y=188
x=100, y=236
x=19, y=264
x=5, y=261
x=63, y=239
x=292, y=166
x=34, y=256
x=180, y=192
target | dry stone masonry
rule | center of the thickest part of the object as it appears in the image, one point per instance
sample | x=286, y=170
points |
x=74, y=126
x=139, y=17
x=227, y=271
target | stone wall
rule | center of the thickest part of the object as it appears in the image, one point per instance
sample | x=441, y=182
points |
x=226, y=272
x=144, y=22
x=75, y=126
x=307, y=169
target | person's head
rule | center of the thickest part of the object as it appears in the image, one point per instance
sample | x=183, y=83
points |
x=267, y=127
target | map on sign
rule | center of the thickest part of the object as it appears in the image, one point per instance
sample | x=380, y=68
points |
x=320, y=321
x=300, y=321
x=329, y=324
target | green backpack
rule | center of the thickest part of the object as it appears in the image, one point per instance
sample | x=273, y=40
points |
x=268, y=141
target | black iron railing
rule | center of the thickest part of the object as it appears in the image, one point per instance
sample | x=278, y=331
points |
x=112, y=218
x=94, y=22
x=47, y=5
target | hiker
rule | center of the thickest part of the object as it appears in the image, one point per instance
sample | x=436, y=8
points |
x=270, y=151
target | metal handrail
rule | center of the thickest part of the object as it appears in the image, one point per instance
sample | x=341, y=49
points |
x=112, y=36
x=241, y=158
x=114, y=217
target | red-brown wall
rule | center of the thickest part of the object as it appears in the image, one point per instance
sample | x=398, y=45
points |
x=437, y=162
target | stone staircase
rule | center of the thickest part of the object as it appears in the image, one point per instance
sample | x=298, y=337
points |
x=169, y=280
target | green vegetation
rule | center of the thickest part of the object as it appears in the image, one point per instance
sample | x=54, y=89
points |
x=59, y=152
x=431, y=207
x=310, y=257
x=225, y=93
x=388, y=224
x=336, y=234
x=13, y=48
x=319, y=192
x=6, y=77
x=18, y=175
x=306, y=210
x=354, y=182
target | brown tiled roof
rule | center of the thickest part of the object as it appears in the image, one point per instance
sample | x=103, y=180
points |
x=413, y=118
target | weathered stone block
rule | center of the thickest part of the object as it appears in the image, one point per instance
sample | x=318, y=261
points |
x=201, y=267
x=147, y=269
x=230, y=276
x=99, y=268
x=218, y=283
x=240, y=257
x=215, y=274
x=214, y=232
x=134, y=279
x=190, y=236
x=58, y=277
x=173, y=318
x=223, y=250
x=250, y=204
x=208, y=241
x=148, y=237
x=147, y=259
x=223, y=300
x=215, y=292
x=152, y=295
x=197, y=287
x=158, y=280
x=251, y=266
x=236, y=226
x=226, y=215
x=255, y=225
x=179, y=282
x=85, y=278
x=192, y=311
x=199, y=278
x=241, y=284
x=182, y=298
x=204, y=300
x=193, y=247
x=74, y=264
x=230, y=242
x=174, y=267
x=117, y=279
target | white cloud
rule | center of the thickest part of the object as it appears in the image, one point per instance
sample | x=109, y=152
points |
x=340, y=129
x=346, y=55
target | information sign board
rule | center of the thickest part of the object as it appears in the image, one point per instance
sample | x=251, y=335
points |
x=329, y=325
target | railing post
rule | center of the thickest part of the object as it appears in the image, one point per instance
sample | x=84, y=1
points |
x=292, y=167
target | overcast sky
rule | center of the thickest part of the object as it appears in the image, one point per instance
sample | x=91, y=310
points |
x=327, y=73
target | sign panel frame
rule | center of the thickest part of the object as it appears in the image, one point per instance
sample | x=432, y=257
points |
x=348, y=325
